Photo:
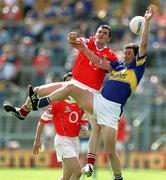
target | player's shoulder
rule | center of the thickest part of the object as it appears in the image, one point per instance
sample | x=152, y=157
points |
x=111, y=54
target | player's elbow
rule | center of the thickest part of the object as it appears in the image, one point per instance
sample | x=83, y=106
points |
x=36, y=89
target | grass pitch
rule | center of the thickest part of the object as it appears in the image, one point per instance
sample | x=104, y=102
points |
x=54, y=174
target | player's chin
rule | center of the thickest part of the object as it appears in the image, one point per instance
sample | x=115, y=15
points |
x=101, y=41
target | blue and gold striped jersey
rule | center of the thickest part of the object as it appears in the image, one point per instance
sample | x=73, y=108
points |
x=124, y=80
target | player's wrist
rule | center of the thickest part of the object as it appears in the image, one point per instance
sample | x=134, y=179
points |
x=37, y=139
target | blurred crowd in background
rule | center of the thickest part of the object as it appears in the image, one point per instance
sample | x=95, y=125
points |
x=34, y=33
x=34, y=48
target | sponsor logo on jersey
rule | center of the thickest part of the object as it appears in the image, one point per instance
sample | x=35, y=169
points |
x=120, y=75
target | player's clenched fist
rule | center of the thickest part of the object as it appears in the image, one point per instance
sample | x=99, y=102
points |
x=72, y=36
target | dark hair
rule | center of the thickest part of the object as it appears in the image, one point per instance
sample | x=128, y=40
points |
x=106, y=27
x=133, y=46
x=69, y=74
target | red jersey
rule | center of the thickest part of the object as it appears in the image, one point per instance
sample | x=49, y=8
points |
x=66, y=117
x=85, y=71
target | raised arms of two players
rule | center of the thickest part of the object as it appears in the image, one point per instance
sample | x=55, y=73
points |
x=102, y=63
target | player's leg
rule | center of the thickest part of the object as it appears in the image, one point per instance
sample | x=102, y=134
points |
x=25, y=109
x=67, y=171
x=72, y=165
x=93, y=148
x=83, y=97
x=109, y=136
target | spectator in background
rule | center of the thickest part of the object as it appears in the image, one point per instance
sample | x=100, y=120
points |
x=54, y=38
x=160, y=41
x=28, y=4
x=26, y=50
x=68, y=121
x=41, y=64
x=34, y=21
x=33, y=13
x=83, y=9
x=5, y=37
x=9, y=64
x=11, y=10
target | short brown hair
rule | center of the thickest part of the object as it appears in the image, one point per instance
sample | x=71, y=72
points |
x=133, y=46
x=105, y=26
x=69, y=74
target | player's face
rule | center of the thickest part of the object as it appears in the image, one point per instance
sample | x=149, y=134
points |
x=128, y=56
x=102, y=36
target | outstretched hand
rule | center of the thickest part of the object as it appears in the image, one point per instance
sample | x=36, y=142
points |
x=149, y=12
x=78, y=44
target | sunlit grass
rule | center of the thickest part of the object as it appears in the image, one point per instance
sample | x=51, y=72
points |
x=101, y=174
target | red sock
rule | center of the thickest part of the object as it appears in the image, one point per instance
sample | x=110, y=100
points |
x=24, y=111
x=91, y=158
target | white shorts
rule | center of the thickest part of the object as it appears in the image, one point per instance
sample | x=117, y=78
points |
x=66, y=147
x=106, y=112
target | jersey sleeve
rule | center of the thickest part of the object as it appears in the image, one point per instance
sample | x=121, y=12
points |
x=140, y=60
x=112, y=56
x=47, y=116
x=84, y=120
x=117, y=65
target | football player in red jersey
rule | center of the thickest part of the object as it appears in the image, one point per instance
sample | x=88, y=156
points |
x=85, y=73
x=107, y=106
x=67, y=118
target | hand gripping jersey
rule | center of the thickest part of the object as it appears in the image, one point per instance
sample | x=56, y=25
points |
x=86, y=72
x=66, y=117
x=124, y=81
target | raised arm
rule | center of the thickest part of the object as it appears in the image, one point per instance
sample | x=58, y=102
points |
x=102, y=63
x=144, y=36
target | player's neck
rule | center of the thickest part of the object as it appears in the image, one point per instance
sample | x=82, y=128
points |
x=100, y=45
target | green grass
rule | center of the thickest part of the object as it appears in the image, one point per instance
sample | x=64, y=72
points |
x=53, y=174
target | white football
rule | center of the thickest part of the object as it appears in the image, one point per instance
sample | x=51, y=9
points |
x=137, y=24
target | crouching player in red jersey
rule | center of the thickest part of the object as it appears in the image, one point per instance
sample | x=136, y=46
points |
x=67, y=117
x=107, y=107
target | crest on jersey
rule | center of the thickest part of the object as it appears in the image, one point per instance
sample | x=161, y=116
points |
x=104, y=56
x=67, y=109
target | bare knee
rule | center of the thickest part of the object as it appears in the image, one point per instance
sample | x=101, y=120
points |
x=36, y=89
x=111, y=150
x=68, y=88
x=111, y=153
x=77, y=172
